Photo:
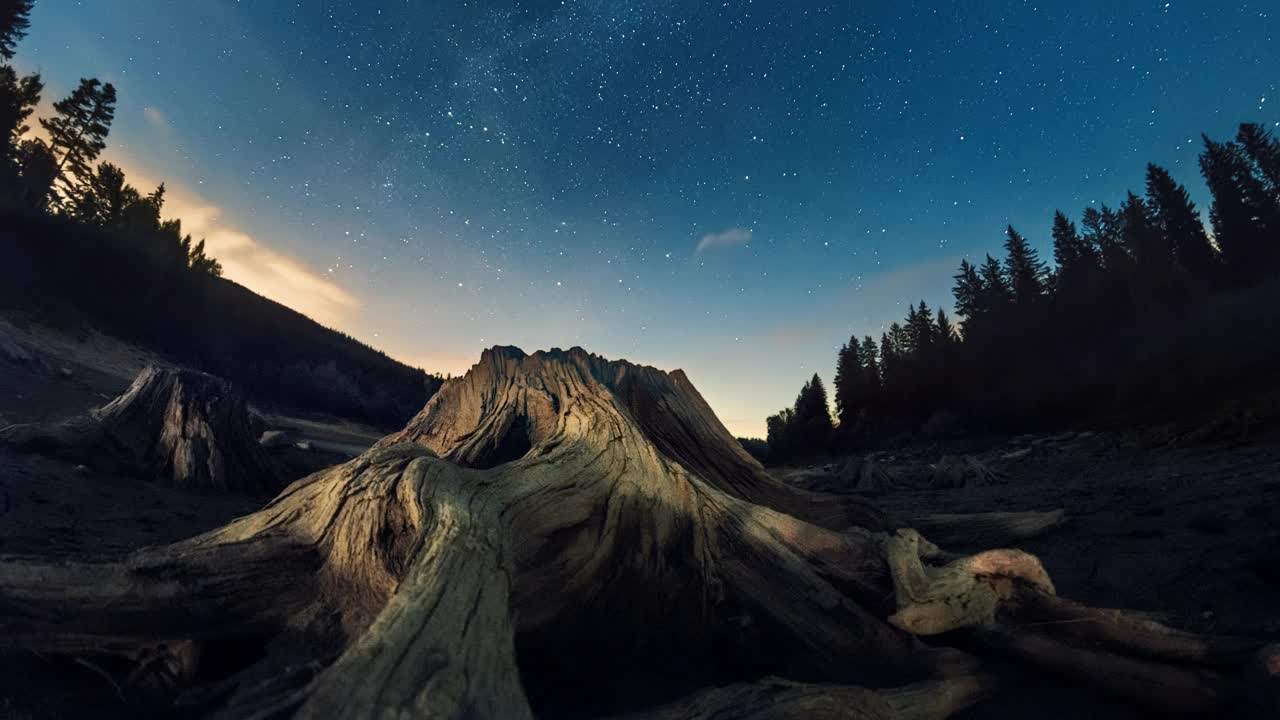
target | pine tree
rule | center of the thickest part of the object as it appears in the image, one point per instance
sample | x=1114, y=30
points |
x=921, y=331
x=199, y=262
x=1241, y=214
x=1152, y=256
x=812, y=420
x=14, y=21
x=968, y=291
x=869, y=355
x=18, y=99
x=848, y=379
x=944, y=331
x=1264, y=150
x=79, y=131
x=996, y=295
x=1175, y=218
x=1024, y=269
x=1076, y=258
x=104, y=198
x=1102, y=233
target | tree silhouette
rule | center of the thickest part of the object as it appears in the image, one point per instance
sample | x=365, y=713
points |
x=996, y=295
x=1244, y=217
x=1077, y=262
x=1175, y=219
x=78, y=132
x=848, y=377
x=14, y=22
x=1024, y=269
x=18, y=99
x=1264, y=150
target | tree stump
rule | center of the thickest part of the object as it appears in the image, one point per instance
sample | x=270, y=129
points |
x=867, y=477
x=562, y=535
x=177, y=427
x=957, y=472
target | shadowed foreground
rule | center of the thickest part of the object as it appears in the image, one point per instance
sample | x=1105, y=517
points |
x=567, y=536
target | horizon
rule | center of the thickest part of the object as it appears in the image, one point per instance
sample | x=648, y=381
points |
x=737, y=215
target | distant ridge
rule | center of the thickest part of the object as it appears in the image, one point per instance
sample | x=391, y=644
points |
x=68, y=275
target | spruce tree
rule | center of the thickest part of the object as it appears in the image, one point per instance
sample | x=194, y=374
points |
x=1102, y=232
x=78, y=133
x=1152, y=255
x=1176, y=220
x=967, y=291
x=14, y=21
x=1242, y=221
x=996, y=295
x=1264, y=150
x=848, y=379
x=869, y=355
x=18, y=99
x=944, y=331
x=1024, y=270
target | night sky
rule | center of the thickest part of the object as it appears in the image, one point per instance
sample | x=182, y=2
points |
x=731, y=188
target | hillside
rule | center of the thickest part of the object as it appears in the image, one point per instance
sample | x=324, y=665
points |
x=69, y=276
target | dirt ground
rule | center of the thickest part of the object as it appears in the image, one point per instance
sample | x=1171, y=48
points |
x=1191, y=532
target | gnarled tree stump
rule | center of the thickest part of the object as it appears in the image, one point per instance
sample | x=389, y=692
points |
x=562, y=534
x=177, y=427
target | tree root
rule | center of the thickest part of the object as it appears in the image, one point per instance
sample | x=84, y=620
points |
x=614, y=546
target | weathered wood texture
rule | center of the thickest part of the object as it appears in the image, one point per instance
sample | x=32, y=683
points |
x=561, y=534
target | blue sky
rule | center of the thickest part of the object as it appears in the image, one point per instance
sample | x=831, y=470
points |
x=733, y=189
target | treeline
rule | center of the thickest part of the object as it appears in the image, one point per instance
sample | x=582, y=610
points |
x=1144, y=314
x=79, y=245
x=59, y=176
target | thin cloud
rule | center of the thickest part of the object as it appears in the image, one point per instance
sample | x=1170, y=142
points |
x=245, y=259
x=728, y=238
x=155, y=118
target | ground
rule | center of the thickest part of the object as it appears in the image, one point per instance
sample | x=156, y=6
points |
x=1190, y=531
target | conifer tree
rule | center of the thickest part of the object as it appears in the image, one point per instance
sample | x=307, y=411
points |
x=1152, y=256
x=18, y=99
x=1242, y=216
x=1101, y=232
x=1024, y=270
x=944, y=331
x=996, y=295
x=14, y=21
x=1264, y=150
x=78, y=133
x=848, y=379
x=1175, y=218
x=870, y=357
x=967, y=291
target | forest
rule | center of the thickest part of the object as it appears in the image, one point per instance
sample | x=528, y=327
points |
x=1145, y=314
x=81, y=246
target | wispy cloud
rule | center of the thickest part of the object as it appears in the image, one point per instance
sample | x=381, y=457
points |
x=244, y=258
x=155, y=118
x=727, y=238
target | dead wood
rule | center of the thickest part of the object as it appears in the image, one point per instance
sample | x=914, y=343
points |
x=555, y=533
x=178, y=427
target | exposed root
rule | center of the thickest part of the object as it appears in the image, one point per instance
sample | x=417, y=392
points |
x=963, y=593
x=633, y=546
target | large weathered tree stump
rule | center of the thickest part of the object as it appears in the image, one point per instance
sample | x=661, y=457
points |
x=177, y=427
x=560, y=534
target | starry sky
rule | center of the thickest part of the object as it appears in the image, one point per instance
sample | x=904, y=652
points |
x=732, y=188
